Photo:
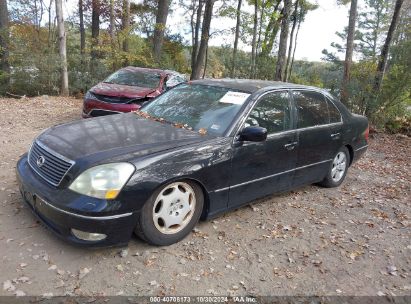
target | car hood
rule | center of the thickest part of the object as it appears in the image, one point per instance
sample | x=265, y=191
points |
x=118, y=90
x=115, y=137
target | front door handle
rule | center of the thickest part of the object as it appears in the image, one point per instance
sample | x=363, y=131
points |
x=291, y=145
x=336, y=135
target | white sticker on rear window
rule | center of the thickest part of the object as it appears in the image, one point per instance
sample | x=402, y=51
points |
x=237, y=98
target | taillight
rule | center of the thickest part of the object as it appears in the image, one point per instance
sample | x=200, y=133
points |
x=367, y=133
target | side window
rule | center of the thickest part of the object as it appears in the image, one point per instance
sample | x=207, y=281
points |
x=271, y=112
x=165, y=83
x=335, y=115
x=312, y=109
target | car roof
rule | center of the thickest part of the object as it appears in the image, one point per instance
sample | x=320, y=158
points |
x=249, y=85
x=165, y=72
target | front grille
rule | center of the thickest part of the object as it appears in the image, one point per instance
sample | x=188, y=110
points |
x=49, y=165
x=115, y=99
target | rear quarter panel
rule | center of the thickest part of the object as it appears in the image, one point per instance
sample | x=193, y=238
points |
x=355, y=135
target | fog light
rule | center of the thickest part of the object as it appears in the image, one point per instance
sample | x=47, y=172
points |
x=88, y=236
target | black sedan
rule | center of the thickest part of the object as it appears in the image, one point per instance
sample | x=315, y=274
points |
x=198, y=150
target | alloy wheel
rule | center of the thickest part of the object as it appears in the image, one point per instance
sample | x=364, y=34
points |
x=174, y=207
x=339, y=166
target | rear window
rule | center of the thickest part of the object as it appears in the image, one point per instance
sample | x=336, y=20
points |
x=312, y=109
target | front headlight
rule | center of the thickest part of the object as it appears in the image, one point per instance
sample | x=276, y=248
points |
x=104, y=181
x=90, y=95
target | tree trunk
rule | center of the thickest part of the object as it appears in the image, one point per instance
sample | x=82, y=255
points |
x=82, y=30
x=64, y=91
x=112, y=31
x=260, y=25
x=282, y=48
x=112, y=23
x=95, y=27
x=49, y=25
x=271, y=30
x=349, y=52
x=382, y=62
x=194, y=52
x=254, y=42
x=205, y=63
x=161, y=21
x=205, y=35
x=4, y=43
x=126, y=25
x=237, y=34
x=290, y=47
x=295, y=45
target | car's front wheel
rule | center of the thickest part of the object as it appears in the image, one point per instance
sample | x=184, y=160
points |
x=170, y=213
x=337, y=170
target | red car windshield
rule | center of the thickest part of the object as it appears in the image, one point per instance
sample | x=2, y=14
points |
x=198, y=106
x=135, y=78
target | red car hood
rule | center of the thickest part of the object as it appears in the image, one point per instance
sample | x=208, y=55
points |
x=118, y=90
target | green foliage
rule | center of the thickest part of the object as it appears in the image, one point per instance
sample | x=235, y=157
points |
x=35, y=61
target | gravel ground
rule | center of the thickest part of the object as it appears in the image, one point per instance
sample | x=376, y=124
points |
x=354, y=240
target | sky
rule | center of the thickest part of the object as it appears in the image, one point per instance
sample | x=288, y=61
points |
x=319, y=28
x=316, y=33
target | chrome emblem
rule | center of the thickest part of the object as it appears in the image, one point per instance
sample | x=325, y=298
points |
x=40, y=161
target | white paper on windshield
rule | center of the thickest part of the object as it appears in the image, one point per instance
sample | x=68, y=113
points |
x=237, y=98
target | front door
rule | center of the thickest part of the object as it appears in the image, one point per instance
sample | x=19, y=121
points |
x=262, y=168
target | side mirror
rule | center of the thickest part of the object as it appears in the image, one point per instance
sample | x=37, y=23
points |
x=253, y=133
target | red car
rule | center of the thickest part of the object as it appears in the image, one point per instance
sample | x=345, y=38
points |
x=127, y=89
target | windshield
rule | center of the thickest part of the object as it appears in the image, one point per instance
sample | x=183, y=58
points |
x=135, y=78
x=201, y=107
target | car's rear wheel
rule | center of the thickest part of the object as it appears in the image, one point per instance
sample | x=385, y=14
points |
x=338, y=169
x=170, y=213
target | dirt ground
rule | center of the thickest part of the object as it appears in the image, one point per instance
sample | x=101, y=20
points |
x=354, y=240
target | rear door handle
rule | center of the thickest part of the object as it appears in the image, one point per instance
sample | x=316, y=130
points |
x=335, y=135
x=291, y=146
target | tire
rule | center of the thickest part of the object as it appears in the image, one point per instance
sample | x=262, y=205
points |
x=170, y=213
x=334, y=176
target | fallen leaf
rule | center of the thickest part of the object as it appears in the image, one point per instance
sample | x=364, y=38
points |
x=83, y=272
x=8, y=285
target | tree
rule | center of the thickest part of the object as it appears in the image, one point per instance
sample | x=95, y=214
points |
x=82, y=30
x=205, y=35
x=290, y=47
x=298, y=17
x=237, y=34
x=372, y=21
x=4, y=42
x=254, y=42
x=349, y=52
x=382, y=63
x=64, y=90
x=275, y=16
x=282, y=48
x=95, y=26
x=126, y=24
x=195, y=29
x=159, y=29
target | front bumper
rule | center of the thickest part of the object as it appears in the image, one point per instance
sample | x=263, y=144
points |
x=42, y=200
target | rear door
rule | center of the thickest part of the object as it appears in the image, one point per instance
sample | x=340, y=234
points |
x=319, y=138
x=261, y=168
